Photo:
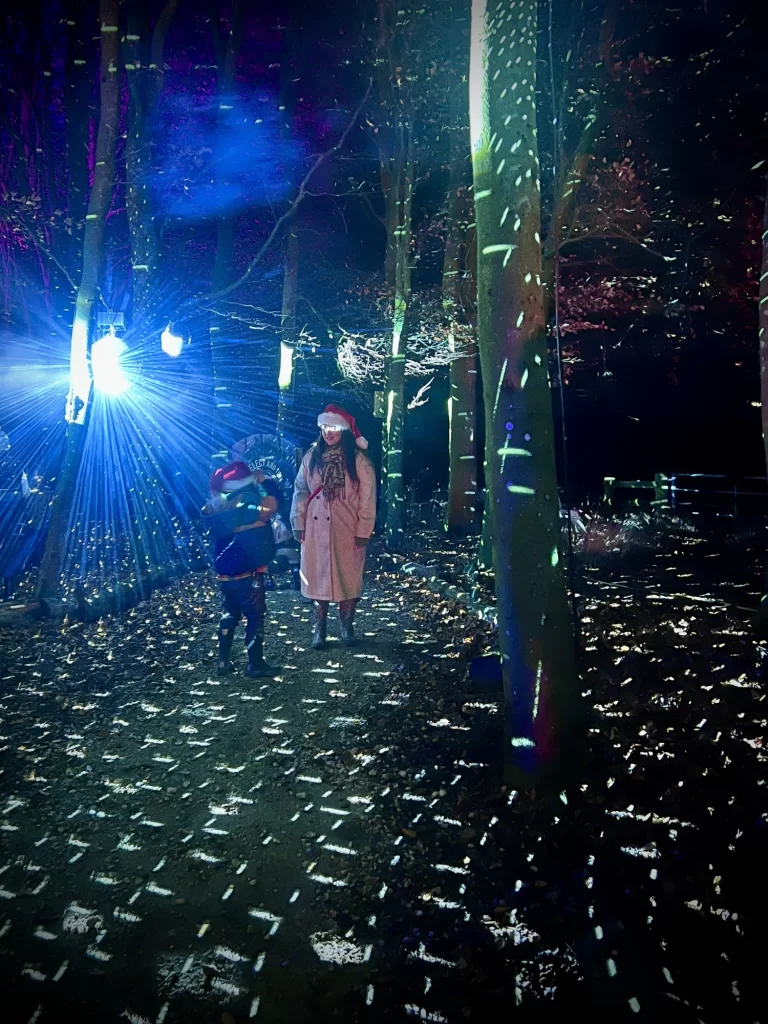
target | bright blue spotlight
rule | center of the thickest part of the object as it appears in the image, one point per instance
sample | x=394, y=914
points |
x=108, y=375
x=171, y=343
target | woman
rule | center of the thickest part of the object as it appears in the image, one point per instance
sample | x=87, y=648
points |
x=333, y=515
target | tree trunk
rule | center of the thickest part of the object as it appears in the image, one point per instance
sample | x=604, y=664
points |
x=293, y=56
x=763, y=329
x=762, y=615
x=79, y=84
x=388, y=178
x=146, y=78
x=287, y=326
x=394, y=497
x=226, y=58
x=141, y=222
x=572, y=177
x=535, y=632
x=461, y=510
x=87, y=294
x=386, y=61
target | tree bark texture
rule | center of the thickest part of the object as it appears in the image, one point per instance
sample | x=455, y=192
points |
x=79, y=81
x=573, y=175
x=226, y=58
x=387, y=142
x=144, y=63
x=763, y=329
x=535, y=631
x=388, y=178
x=762, y=615
x=288, y=326
x=458, y=307
x=394, y=497
x=87, y=295
x=293, y=55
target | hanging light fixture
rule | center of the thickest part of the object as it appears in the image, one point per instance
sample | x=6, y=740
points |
x=108, y=375
x=171, y=343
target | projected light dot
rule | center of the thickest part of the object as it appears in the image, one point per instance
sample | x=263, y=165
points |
x=108, y=375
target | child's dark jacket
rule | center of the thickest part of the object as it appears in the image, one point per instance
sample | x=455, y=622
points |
x=242, y=531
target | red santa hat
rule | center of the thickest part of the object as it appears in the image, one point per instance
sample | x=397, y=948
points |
x=233, y=477
x=339, y=419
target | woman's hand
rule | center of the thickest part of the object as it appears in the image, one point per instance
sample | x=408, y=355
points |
x=298, y=535
x=361, y=541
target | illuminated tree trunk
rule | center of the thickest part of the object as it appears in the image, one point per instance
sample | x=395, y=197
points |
x=762, y=616
x=458, y=306
x=293, y=54
x=573, y=176
x=287, y=325
x=386, y=62
x=144, y=64
x=388, y=178
x=394, y=496
x=763, y=330
x=226, y=58
x=87, y=294
x=79, y=80
x=535, y=632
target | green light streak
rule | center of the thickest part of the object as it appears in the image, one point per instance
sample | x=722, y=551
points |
x=498, y=387
x=513, y=451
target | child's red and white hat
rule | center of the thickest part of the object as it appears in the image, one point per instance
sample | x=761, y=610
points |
x=336, y=418
x=231, y=478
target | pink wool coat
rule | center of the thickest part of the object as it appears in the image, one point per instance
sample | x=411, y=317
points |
x=331, y=563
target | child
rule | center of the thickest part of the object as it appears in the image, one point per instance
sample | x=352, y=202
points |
x=238, y=513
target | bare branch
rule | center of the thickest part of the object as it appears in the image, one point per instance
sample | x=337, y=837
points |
x=290, y=212
x=379, y=217
x=35, y=240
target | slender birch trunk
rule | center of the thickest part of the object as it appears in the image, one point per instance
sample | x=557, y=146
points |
x=458, y=307
x=293, y=59
x=144, y=64
x=287, y=325
x=87, y=295
x=226, y=58
x=394, y=496
x=762, y=615
x=535, y=631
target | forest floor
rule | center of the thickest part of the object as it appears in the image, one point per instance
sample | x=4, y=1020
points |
x=336, y=844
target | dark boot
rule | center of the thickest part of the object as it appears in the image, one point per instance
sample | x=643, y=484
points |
x=347, y=616
x=226, y=639
x=320, y=624
x=257, y=667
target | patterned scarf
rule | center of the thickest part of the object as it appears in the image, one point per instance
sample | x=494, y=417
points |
x=332, y=473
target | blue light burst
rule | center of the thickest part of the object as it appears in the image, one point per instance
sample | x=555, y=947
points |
x=108, y=375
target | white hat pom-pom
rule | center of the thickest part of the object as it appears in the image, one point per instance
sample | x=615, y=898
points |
x=361, y=443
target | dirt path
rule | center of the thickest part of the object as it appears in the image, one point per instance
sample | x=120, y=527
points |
x=335, y=844
x=174, y=841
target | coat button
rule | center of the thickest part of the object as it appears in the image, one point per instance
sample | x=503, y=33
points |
x=328, y=518
x=315, y=517
x=317, y=498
